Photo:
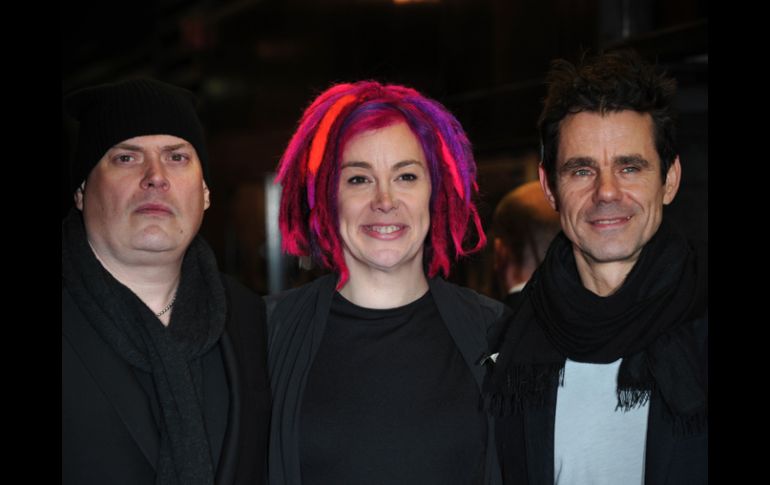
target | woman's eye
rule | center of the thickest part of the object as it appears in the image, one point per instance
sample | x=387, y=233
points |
x=357, y=179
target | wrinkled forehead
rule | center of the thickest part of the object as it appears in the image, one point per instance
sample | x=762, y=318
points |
x=607, y=135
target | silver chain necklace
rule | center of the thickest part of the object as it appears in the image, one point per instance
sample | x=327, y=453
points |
x=168, y=307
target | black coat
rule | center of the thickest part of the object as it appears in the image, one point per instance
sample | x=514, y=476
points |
x=109, y=435
x=296, y=323
x=525, y=441
x=512, y=300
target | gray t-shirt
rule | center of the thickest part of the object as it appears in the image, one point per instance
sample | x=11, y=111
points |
x=594, y=443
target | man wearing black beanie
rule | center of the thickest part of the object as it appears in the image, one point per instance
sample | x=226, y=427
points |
x=163, y=357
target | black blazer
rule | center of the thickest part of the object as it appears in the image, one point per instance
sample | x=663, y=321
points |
x=108, y=430
x=297, y=320
x=512, y=299
x=525, y=442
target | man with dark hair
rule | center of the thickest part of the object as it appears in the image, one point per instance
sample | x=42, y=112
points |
x=163, y=358
x=602, y=374
x=524, y=224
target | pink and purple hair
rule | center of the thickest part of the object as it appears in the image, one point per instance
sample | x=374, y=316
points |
x=309, y=171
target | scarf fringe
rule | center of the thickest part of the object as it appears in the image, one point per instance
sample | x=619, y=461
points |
x=525, y=385
x=630, y=398
x=689, y=425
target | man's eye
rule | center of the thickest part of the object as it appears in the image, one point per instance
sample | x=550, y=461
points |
x=124, y=158
x=179, y=157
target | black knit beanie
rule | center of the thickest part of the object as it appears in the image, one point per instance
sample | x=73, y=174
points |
x=111, y=113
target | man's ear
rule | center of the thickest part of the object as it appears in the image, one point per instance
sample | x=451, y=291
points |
x=79, y=196
x=673, y=177
x=546, y=188
x=206, y=196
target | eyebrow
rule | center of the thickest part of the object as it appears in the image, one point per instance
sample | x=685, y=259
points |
x=368, y=166
x=137, y=148
x=634, y=159
x=575, y=163
x=127, y=146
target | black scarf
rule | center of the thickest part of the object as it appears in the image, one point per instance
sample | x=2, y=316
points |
x=171, y=354
x=648, y=322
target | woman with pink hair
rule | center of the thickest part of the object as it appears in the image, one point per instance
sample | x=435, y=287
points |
x=376, y=369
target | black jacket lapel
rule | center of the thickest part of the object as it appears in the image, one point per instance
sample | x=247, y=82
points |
x=228, y=462
x=460, y=314
x=539, y=428
x=659, y=447
x=114, y=377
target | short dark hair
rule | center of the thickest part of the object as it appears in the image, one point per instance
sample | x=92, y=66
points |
x=609, y=82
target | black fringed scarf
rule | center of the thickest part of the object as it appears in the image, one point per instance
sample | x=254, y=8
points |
x=171, y=354
x=648, y=323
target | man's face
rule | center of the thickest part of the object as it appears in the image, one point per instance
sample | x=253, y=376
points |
x=608, y=186
x=144, y=199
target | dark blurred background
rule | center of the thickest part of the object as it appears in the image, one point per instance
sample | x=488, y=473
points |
x=255, y=65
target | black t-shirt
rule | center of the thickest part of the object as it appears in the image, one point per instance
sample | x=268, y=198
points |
x=390, y=400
